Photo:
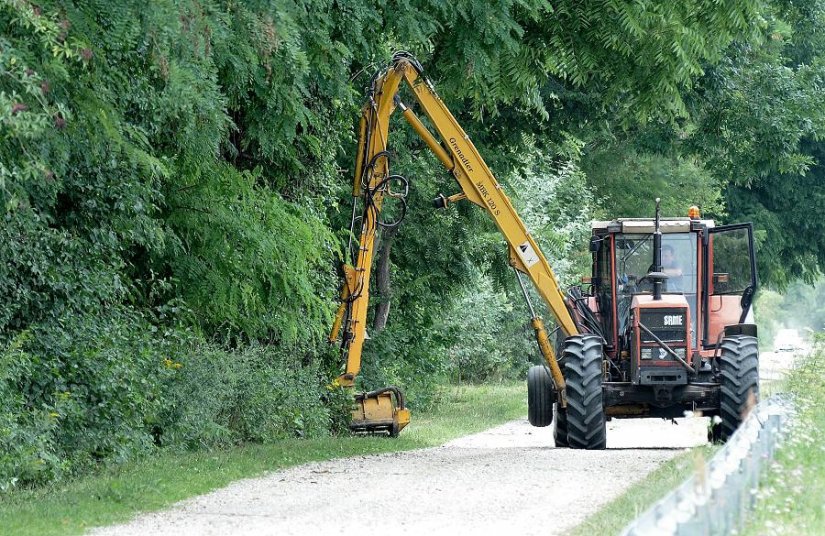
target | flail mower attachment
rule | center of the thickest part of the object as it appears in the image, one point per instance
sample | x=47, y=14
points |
x=376, y=412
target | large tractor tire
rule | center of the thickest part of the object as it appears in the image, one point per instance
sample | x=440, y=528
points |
x=540, y=396
x=739, y=378
x=560, y=428
x=586, y=427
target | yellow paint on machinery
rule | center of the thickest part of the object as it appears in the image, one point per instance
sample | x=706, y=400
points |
x=372, y=186
x=378, y=412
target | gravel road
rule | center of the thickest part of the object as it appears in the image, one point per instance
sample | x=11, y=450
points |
x=507, y=480
x=774, y=365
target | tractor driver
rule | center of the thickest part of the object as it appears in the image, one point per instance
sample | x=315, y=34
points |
x=671, y=267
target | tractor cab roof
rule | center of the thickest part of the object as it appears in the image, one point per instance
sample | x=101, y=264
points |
x=647, y=225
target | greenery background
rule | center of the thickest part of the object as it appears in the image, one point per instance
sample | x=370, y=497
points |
x=174, y=179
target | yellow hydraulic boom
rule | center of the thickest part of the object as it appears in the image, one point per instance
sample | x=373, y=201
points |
x=373, y=183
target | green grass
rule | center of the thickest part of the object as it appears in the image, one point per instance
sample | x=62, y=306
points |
x=791, y=499
x=613, y=517
x=117, y=493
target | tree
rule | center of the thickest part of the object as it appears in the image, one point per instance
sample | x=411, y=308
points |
x=758, y=118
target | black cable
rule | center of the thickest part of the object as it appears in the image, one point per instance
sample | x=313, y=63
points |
x=403, y=54
x=371, y=213
x=588, y=318
x=402, y=198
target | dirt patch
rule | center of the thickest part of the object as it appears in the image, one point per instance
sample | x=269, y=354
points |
x=506, y=480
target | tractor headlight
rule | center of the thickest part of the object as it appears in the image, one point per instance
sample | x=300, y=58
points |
x=680, y=352
x=647, y=353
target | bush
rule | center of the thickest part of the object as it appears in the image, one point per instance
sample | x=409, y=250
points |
x=111, y=386
x=407, y=358
x=493, y=338
x=79, y=391
x=255, y=394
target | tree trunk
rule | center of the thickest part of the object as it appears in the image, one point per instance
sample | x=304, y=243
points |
x=382, y=280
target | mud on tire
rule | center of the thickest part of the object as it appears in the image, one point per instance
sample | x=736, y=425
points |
x=739, y=378
x=583, y=375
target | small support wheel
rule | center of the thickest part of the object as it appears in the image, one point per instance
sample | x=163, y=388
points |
x=540, y=396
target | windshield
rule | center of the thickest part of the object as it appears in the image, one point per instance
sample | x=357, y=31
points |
x=634, y=257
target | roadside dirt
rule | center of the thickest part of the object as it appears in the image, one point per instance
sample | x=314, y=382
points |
x=508, y=480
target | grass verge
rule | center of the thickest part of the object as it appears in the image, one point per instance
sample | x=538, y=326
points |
x=613, y=517
x=790, y=499
x=117, y=493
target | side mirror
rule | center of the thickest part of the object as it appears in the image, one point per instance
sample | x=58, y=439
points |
x=595, y=244
x=747, y=298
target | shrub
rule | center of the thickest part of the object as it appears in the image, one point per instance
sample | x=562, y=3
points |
x=79, y=391
x=255, y=394
x=111, y=386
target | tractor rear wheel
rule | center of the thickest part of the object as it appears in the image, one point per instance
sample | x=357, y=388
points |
x=739, y=378
x=540, y=396
x=586, y=427
x=560, y=427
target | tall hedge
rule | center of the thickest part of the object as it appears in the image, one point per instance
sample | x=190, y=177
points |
x=173, y=180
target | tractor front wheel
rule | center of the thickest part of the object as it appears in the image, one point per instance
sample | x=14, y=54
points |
x=586, y=427
x=739, y=379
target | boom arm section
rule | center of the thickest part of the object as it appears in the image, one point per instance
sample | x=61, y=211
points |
x=374, y=183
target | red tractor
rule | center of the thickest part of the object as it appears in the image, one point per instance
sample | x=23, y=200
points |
x=666, y=330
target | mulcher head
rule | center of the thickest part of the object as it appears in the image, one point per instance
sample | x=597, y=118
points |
x=382, y=411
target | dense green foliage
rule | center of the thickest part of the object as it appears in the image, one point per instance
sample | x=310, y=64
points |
x=111, y=386
x=752, y=133
x=174, y=178
x=759, y=120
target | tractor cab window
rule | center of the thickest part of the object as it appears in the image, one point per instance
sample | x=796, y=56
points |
x=634, y=260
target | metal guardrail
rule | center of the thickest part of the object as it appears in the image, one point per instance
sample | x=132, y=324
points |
x=716, y=500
